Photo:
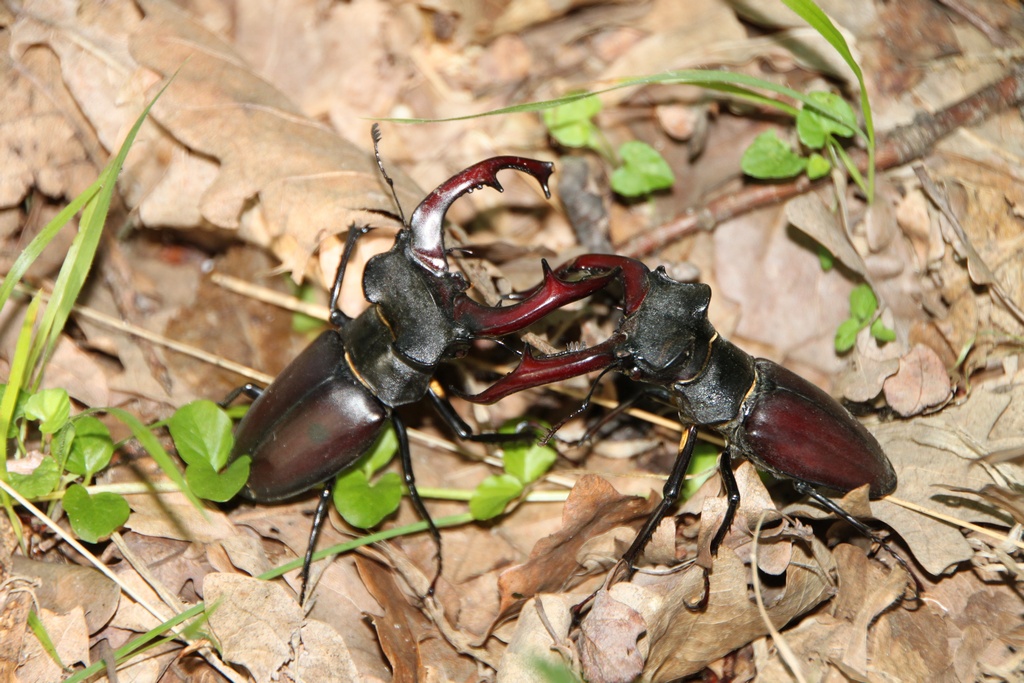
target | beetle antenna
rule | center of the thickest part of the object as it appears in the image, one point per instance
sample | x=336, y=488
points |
x=578, y=411
x=375, y=133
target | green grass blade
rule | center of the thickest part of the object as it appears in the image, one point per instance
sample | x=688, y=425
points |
x=19, y=370
x=82, y=253
x=39, y=243
x=137, y=645
x=41, y=634
x=152, y=445
x=820, y=22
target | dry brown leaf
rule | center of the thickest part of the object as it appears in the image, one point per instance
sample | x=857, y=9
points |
x=282, y=180
x=70, y=637
x=608, y=641
x=869, y=366
x=412, y=644
x=256, y=622
x=173, y=516
x=921, y=382
x=41, y=145
x=325, y=656
x=931, y=453
x=789, y=307
x=593, y=507
x=809, y=213
x=683, y=641
x=540, y=638
x=64, y=587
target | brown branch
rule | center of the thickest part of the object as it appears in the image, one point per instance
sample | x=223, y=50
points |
x=895, y=148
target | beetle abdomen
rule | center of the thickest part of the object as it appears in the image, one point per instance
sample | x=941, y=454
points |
x=798, y=431
x=311, y=423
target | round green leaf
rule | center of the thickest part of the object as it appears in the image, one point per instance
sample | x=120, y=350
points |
x=529, y=462
x=201, y=431
x=219, y=487
x=578, y=110
x=91, y=448
x=382, y=452
x=51, y=407
x=817, y=166
x=643, y=170
x=43, y=479
x=94, y=517
x=492, y=496
x=570, y=124
x=769, y=158
x=362, y=504
x=882, y=333
x=846, y=335
x=831, y=114
x=863, y=303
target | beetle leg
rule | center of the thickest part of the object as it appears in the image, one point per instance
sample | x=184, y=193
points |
x=250, y=390
x=732, y=493
x=836, y=509
x=669, y=495
x=551, y=294
x=338, y=318
x=414, y=494
x=525, y=431
x=322, y=510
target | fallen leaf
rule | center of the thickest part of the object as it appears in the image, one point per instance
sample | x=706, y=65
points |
x=608, y=641
x=256, y=622
x=64, y=587
x=533, y=646
x=920, y=383
x=593, y=507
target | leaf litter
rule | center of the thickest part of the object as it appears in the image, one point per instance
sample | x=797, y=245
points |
x=262, y=139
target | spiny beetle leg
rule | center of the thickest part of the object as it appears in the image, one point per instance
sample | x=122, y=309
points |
x=338, y=318
x=319, y=517
x=414, y=494
x=525, y=430
x=626, y=567
x=551, y=294
x=669, y=495
x=732, y=493
x=836, y=509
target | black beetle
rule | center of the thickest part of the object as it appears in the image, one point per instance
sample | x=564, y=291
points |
x=778, y=420
x=326, y=409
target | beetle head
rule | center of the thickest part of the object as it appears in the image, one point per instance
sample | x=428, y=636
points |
x=411, y=285
x=669, y=336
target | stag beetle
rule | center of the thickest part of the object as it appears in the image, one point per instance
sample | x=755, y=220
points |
x=775, y=418
x=327, y=408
